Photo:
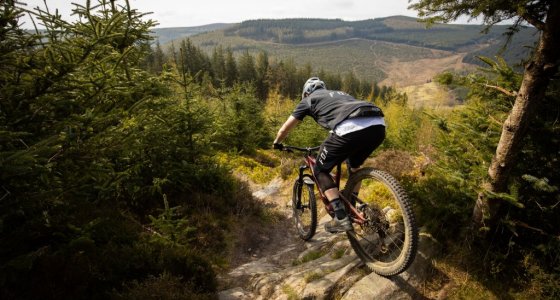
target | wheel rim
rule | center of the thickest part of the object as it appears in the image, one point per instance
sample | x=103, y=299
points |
x=383, y=239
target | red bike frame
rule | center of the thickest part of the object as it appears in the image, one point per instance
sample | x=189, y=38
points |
x=310, y=161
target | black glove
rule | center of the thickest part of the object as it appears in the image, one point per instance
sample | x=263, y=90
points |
x=278, y=146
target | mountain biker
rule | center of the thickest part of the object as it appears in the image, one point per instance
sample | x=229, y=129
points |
x=356, y=127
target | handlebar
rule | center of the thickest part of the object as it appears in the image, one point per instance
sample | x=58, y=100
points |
x=304, y=149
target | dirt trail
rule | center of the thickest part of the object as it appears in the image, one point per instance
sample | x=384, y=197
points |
x=285, y=267
x=276, y=196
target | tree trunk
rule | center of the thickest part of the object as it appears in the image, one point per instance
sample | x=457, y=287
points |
x=536, y=77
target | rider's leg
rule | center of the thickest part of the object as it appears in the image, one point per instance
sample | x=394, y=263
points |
x=333, y=151
x=374, y=136
x=350, y=172
x=340, y=221
x=332, y=193
x=329, y=189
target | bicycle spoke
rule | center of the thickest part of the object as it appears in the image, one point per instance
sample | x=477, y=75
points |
x=385, y=243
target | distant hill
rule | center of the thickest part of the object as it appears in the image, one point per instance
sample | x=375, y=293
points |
x=397, y=29
x=397, y=50
x=165, y=35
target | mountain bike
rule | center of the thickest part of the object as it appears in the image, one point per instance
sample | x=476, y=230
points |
x=384, y=235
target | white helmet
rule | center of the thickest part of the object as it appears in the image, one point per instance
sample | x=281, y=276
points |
x=312, y=84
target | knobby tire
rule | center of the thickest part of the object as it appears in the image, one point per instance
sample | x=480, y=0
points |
x=396, y=223
x=304, y=209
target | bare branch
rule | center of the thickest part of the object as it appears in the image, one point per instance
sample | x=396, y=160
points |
x=527, y=226
x=501, y=89
x=24, y=143
x=57, y=154
x=533, y=21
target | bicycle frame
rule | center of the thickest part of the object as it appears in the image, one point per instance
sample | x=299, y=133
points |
x=385, y=244
x=310, y=162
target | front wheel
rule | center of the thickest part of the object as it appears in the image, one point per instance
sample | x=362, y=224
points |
x=304, y=208
x=388, y=240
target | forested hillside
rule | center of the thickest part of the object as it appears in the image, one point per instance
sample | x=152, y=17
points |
x=397, y=29
x=165, y=35
x=368, y=46
x=121, y=159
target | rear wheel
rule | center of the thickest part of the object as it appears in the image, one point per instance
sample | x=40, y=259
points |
x=387, y=242
x=304, y=208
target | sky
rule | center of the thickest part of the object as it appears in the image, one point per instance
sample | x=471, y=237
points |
x=187, y=13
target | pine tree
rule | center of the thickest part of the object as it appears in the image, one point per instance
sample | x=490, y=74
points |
x=543, y=65
x=351, y=85
x=246, y=68
x=159, y=59
x=241, y=124
x=230, y=68
x=194, y=60
x=262, y=73
x=219, y=64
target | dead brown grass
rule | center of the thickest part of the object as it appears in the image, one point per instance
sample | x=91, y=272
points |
x=406, y=73
x=397, y=163
x=430, y=95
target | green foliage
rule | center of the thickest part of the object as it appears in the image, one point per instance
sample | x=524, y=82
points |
x=258, y=166
x=307, y=134
x=443, y=204
x=404, y=125
x=192, y=60
x=96, y=128
x=222, y=70
x=490, y=12
x=469, y=135
x=170, y=227
x=239, y=121
x=464, y=148
x=466, y=145
x=363, y=55
x=445, y=78
x=89, y=145
x=334, y=45
x=338, y=253
x=540, y=184
x=246, y=67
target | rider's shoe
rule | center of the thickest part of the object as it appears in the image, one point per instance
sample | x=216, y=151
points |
x=338, y=225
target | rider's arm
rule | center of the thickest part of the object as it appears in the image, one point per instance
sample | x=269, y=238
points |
x=285, y=129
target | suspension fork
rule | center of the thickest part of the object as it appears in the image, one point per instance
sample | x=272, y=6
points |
x=300, y=183
x=301, y=172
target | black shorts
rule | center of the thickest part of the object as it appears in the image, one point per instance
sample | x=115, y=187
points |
x=355, y=146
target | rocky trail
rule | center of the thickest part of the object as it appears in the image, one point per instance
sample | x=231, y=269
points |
x=326, y=267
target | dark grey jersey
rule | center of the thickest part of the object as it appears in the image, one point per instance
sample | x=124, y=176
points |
x=328, y=108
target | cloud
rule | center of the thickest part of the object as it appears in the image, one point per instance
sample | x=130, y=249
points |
x=344, y=4
x=174, y=13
